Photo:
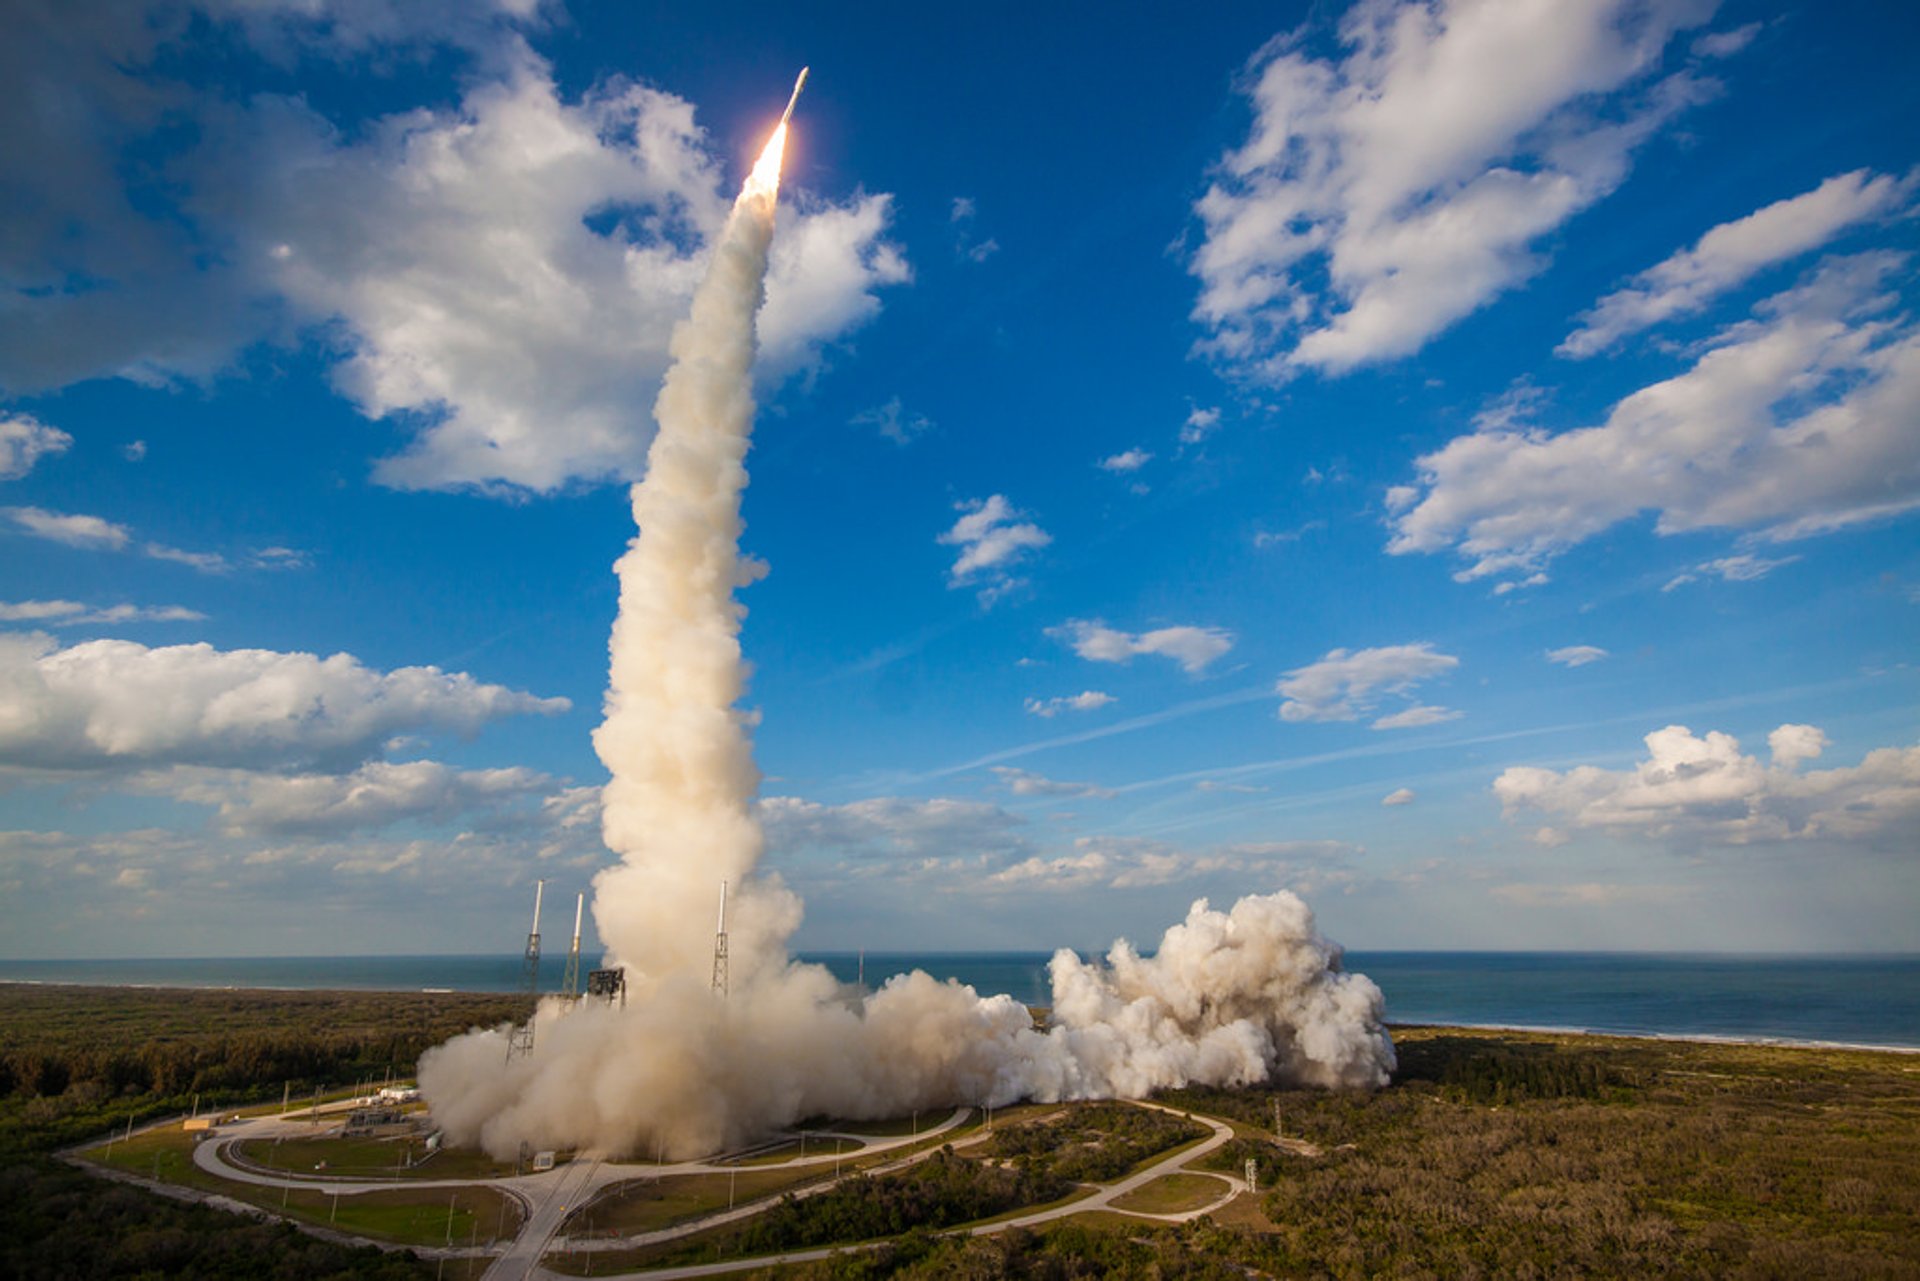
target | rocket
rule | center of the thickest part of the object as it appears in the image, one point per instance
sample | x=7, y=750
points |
x=798, y=85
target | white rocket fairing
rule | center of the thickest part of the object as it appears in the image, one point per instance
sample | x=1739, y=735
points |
x=797, y=86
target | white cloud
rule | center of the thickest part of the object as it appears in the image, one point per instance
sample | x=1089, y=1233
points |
x=1026, y=783
x=1398, y=796
x=454, y=250
x=1733, y=252
x=205, y=562
x=964, y=244
x=500, y=276
x=1200, y=424
x=892, y=422
x=891, y=827
x=89, y=532
x=1704, y=789
x=1721, y=44
x=1086, y=701
x=1346, y=684
x=1115, y=862
x=96, y=533
x=1414, y=717
x=1414, y=175
x=1192, y=647
x=1792, y=744
x=376, y=795
x=24, y=441
x=992, y=536
x=1745, y=569
x=1576, y=655
x=1214, y=785
x=1792, y=424
x=105, y=704
x=68, y=613
x=133, y=451
x=1130, y=461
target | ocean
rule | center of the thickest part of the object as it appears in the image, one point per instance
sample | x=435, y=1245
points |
x=1857, y=1000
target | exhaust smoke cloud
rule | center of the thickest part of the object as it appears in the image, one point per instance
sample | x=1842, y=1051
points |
x=1236, y=997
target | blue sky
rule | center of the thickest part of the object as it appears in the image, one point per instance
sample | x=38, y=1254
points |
x=1458, y=461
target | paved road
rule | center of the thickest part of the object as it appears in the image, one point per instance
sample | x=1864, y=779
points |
x=549, y=1195
x=1101, y=1199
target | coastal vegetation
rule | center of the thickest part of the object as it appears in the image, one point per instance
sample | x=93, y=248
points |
x=77, y=1063
x=1492, y=1153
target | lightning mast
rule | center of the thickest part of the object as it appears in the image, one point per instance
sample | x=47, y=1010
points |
x=520, y=1040
x=570, y=985
x=720, y=946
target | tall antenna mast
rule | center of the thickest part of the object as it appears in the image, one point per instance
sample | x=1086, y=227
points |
x=720, y=946
x=520, y=1041
x=571, y=983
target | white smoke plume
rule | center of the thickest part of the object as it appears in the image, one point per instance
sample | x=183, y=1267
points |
x=1228, y=998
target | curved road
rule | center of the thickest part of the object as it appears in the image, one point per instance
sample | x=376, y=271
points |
x=1101, y=1199
x=547, y=1196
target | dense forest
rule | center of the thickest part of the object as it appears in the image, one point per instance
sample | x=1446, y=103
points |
x=76, y=1062
x=941, y=1191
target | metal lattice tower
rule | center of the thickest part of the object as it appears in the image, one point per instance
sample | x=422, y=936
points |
x=570, y=985
x=520, y=1040
x=720, y=946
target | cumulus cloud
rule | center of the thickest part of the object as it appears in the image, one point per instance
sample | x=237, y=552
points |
x=1086, y=701
x=1201, y=423
x=107, y=704
x=1734, y=252
x=892, y=422
x=91, y=533
x=993, y=536
x=376, y=795
x=69, y=613
x=1347, y=684
x=1131, y=460
x=1385, y=194
x=1576, y=655
x=1191, y=647
x=499, y=277
x=1691, y=788
x=1792, y=744
x=1794, y=423
x=1398, y=796
x=1026, y=783
x=24, y=441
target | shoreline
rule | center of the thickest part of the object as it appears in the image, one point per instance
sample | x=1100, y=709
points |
x=1546, y=1029
x=1698, y=1038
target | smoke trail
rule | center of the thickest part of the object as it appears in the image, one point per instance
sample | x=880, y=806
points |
x=679, y=808
x=1227, y=998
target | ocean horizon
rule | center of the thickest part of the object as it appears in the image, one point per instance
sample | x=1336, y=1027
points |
x=1858, y=999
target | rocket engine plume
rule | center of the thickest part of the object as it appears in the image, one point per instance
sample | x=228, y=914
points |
x=1236, y=997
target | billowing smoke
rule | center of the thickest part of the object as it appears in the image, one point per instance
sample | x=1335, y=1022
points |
x=1228, y=998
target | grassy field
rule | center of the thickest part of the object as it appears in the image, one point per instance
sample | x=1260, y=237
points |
x=1503, y=1154
x=402, y=1215
x=1173, y=1194
x=369, y=1158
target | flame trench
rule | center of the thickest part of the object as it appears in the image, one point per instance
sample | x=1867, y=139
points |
x=1235, y=997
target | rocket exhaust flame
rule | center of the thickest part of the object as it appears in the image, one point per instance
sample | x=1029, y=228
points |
x=1233, y=997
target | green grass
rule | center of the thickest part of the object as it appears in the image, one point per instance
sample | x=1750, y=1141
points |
x=404, y=1216
x=368, y=1158
x=1173, y=1194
